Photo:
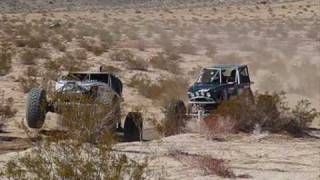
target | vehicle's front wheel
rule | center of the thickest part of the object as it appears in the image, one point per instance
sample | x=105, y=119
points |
x=36, y=108
x=133, y=127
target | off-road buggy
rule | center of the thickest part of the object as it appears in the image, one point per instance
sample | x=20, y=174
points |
x=100, y=88
x=216, y=84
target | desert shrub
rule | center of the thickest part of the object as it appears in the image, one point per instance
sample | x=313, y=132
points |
x=160, y=90
x=211, y=51
x=29, y=79
x=301, y=116
x=175, y=118
x=144, y=86
x=110, y=69
x=122, y=55
x=5, y=60
x=93, y=46
x=270, y=111
x=137, y=64
x=58, y=44
x=6, y=110
x=216, y=127
x=165, y=62
x=84, y=151
x=187, y=47
x=34, y=41
x=231, y=58
x=208, y=164
x=80, y=54
x=165, y=41
x=29, y=56
x=70, y=61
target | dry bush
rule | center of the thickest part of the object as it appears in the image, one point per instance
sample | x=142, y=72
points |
x=110, y=69
x=137, y=64
x=216, y=128
x=29, y=56
x=165, y=41
x=166, y=62
x=29, y=79
x=84, y=151
x=5, y=60
x=208, y=164
x=58, y=44
x=231, y=58
x=6, y=110
x=187, y=47
x=80, y=54
x=35, y=41
x=175, y=119
x=93, y=46
x=270, y=111
x=164, y=90
x=122, y=55
x=70, y=61
x=211, y=51
x=301, y=117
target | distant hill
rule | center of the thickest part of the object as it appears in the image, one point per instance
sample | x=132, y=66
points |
x=7, y=6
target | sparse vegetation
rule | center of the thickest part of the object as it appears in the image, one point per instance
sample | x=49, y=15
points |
x=162, y=90
x=84, y=151
x=270, y=111
x=165, y=62
x=29, y=79
x=137, y=64
x=5, y=60
x=175, y=118
x=122, y=55
x=29, y=56
x=92, y=46
x=6, y=109
x=208, y=164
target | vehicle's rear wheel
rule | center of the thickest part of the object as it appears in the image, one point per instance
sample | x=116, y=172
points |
x=36, y=108
x=133, y=127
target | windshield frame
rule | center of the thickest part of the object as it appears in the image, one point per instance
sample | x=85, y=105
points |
x=217, y=69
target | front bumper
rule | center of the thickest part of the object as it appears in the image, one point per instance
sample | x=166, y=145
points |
x=201, y=108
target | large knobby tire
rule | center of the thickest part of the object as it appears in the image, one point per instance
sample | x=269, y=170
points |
x=36, y=108
x=133, y=127
x=224, y=96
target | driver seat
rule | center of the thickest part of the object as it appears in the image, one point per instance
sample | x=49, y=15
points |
x=233, y=76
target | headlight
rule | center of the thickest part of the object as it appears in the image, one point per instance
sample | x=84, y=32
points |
x=208, y=94
x=191, y=95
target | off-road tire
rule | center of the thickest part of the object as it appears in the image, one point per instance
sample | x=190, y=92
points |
x=224, y=96
x=36, y=108
x=133, y=127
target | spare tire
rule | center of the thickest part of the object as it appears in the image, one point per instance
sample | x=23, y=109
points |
x=36, y=108
x=133, y=127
